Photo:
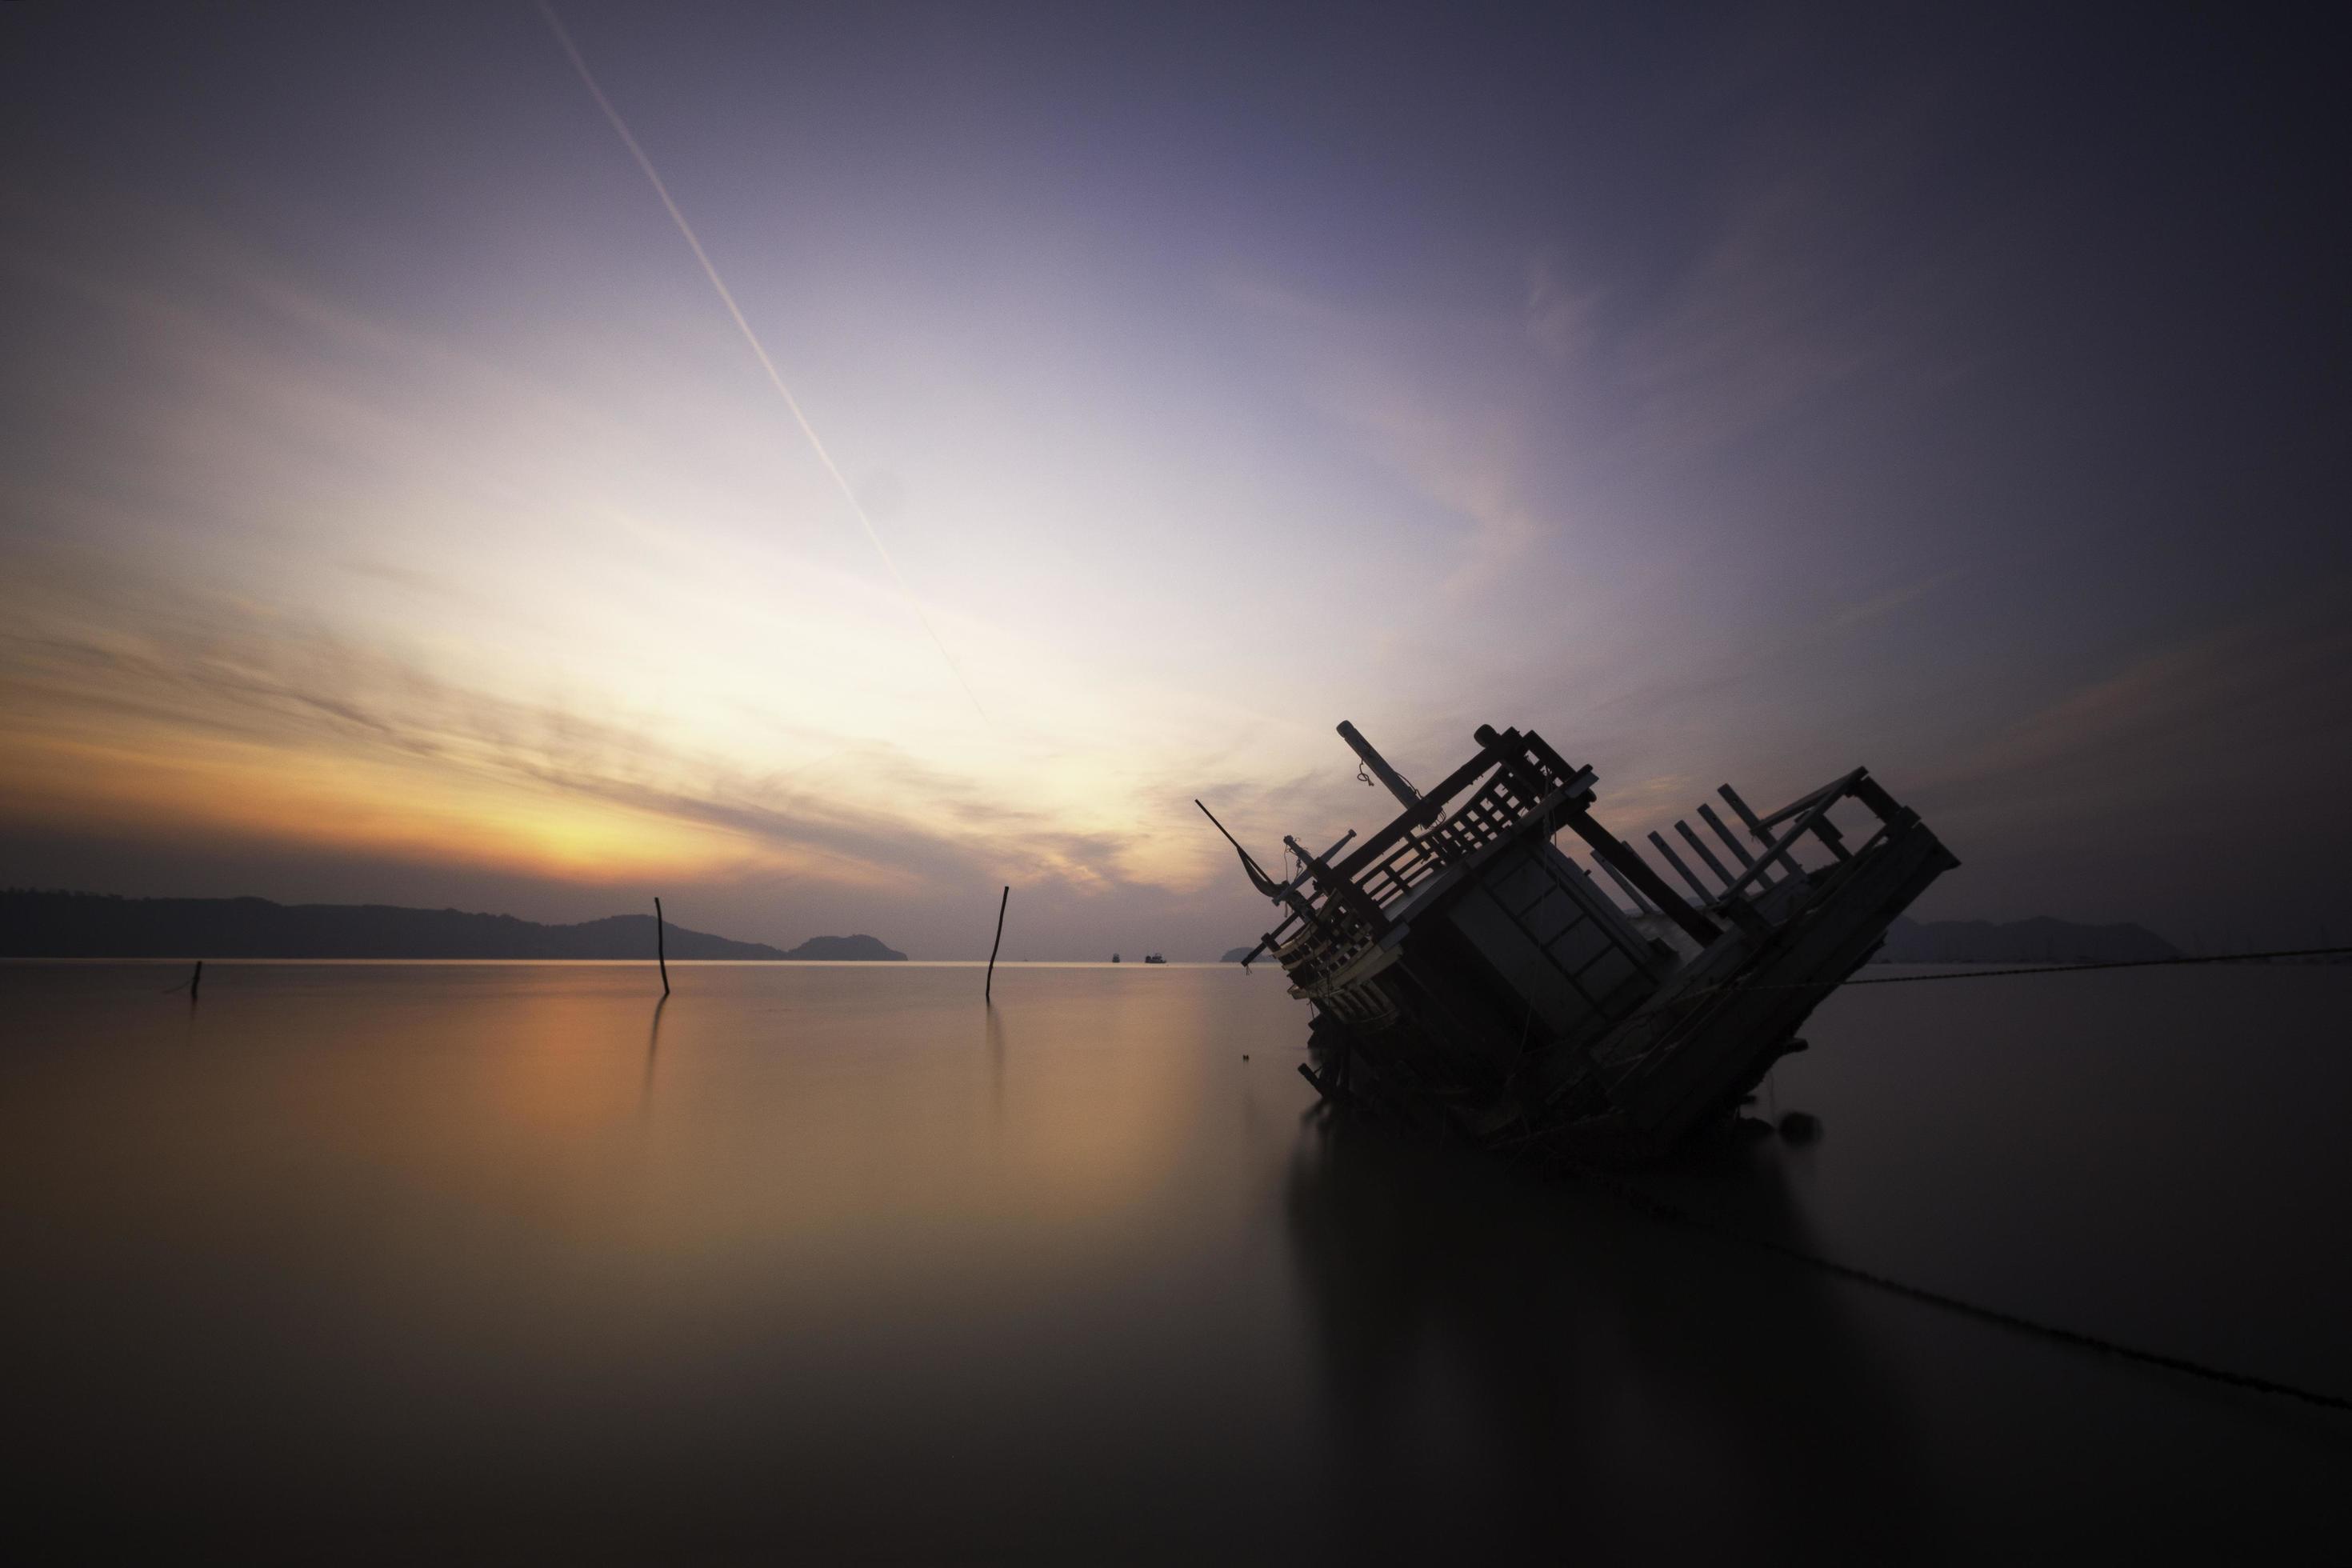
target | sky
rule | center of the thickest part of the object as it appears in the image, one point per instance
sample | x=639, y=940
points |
x=392, y=511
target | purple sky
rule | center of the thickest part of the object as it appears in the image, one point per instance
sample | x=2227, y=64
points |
x=390, y=509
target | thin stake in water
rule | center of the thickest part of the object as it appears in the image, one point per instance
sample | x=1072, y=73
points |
x=661, y=954
x=988, y=988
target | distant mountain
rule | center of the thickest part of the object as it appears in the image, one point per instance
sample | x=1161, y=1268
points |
x=2040, y=940
x=1236, y=954
x=93, y=925
x=841, y=949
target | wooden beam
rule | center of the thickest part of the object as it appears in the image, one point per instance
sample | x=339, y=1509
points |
x=1707, y=815
x=1703, y=853
x=1406, y=795
x=1640, y=905
x=1767, y=854
x=1706, y=896
x=1829, y=791
x=1616, y=852
x=1431, y=807
x=1822, y=799
x=1337, y=891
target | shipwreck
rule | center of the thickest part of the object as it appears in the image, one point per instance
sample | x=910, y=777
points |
x=1470, y=978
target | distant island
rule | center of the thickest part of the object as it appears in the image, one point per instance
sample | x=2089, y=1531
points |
x=36, y=924
x=847, y=949
x=2040, y=940
x=1236, y=954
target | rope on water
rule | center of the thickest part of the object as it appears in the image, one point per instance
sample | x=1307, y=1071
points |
x=2112, y=963
x=2292, y=953
x=1659, y=1209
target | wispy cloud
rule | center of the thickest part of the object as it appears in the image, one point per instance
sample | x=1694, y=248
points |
x=270, y=711
x=1802, y=293
x=1428, y=397
x=2237, y=720
x=1560, y=317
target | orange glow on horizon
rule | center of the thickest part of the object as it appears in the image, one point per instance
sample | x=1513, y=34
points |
x=200, y=785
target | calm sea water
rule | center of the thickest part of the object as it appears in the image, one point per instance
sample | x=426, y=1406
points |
x=815, y=1262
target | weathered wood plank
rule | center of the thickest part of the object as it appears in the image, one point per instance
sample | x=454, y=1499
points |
x=1703, y=853
x=1705, y=894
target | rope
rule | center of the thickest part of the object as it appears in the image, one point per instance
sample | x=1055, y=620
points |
x=1658, y=1208
x=2038, y=968
x=2112, y=963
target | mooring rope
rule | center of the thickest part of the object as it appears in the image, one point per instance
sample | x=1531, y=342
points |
x=2111, y=964
x=1659, y=1209
x=2008, y=1320
x=1728, y=986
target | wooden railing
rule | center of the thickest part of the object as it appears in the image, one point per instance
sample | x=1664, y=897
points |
x=1513, y=777
x=1769, y=850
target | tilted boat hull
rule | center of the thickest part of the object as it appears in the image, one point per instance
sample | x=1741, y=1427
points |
x=1471, y=979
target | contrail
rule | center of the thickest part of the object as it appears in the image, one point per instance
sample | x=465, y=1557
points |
x=775, y=378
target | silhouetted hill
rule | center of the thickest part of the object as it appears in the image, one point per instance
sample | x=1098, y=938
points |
x=93, y=925
x=2039, y=941
x=845, y=949
x=1234, y=955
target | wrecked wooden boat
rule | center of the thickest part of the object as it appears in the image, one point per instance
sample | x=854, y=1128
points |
x=1469, y=977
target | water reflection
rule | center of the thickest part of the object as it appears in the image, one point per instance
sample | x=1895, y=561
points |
x=399, y=1255
x=995, y=1033
x=653, y=1050
x=1525, y=1363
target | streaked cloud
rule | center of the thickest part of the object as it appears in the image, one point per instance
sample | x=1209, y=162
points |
x=390, y=496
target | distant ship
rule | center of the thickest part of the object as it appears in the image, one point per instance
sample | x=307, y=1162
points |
x=1468, y=977
x=1114, y=958
x=1153, y=958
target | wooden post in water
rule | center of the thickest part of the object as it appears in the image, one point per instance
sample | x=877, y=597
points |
x=195, y=981
x=988, y=989
x=660, y=956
